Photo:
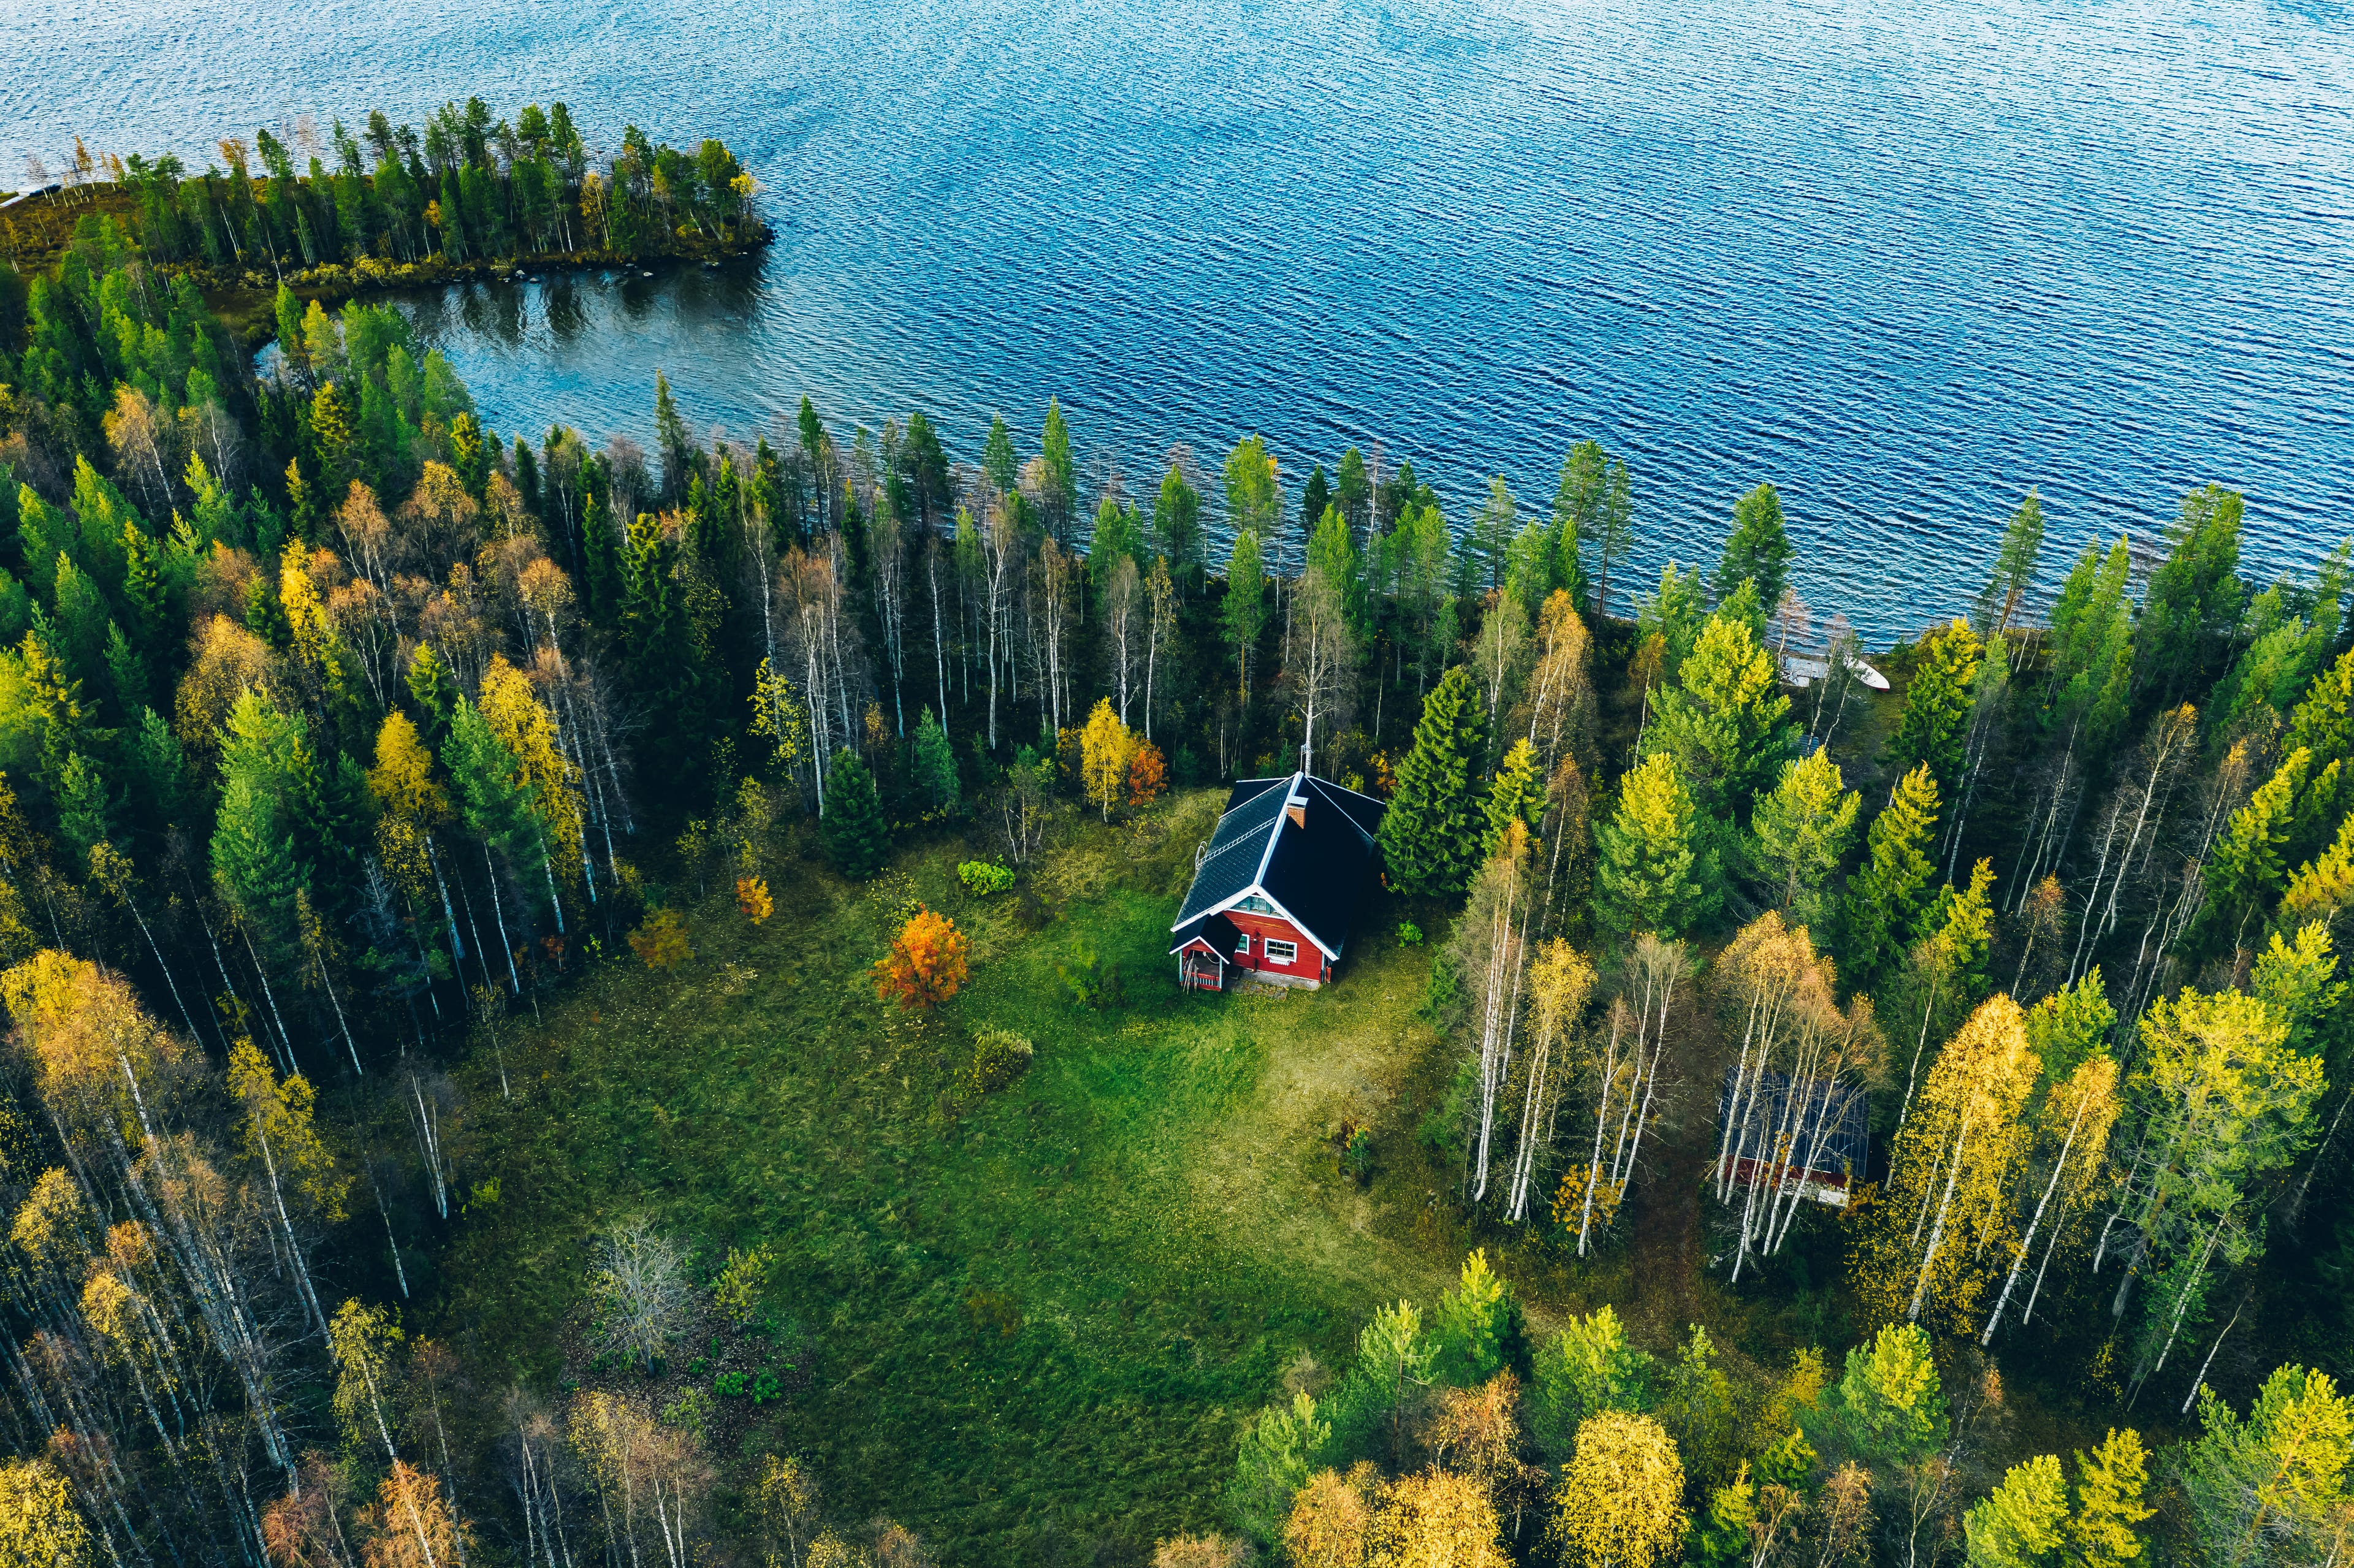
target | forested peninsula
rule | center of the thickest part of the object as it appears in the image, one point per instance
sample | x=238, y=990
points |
x=570, y=1003
x=391, y=207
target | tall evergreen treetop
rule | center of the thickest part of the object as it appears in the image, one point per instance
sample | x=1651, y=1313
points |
x=1658, y=871
x=1889, y=894
x=1724, y=719
x=1431, y=835
x=1758, y=550
x=1936, y=725
x=856, y=837
x=2194, y=598
x=2014, y=569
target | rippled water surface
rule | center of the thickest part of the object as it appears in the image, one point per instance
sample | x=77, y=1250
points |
x=1903, y=258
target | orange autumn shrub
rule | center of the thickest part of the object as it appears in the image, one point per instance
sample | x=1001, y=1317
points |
x=752, y=897
x=1148, y=775
x=926, y=963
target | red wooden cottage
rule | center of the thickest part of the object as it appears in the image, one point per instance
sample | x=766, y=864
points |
x=1278, y=884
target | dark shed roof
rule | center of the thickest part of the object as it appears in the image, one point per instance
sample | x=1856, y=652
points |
x=1847, y=1141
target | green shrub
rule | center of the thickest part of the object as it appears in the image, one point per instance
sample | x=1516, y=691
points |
x=1409, y=934
x=730, y=1384
x=998, y=1058
x=984, y=878
x=742, y=1280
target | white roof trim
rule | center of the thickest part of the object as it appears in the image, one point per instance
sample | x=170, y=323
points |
x=1297, y=923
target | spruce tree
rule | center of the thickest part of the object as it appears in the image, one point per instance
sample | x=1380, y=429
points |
x=1518, y=791
x=1724, y=720
x=1430, y=836
x=1934, y=729
x=433, y=692
x=676, y=445
x=935, y=765
x=81, y=797
x=1758, y=550
x=1657, y=872
x=1802, y=829
x=856, y=838
x=1886, y=896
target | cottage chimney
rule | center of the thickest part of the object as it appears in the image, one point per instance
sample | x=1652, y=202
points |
x=1295, y=808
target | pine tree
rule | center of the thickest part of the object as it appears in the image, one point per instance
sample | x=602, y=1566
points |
x=1937, y=701
x=1885, y=897
x=1657, y=873
x=2109, y=1483
x=1062, y=487
x=601, y=549
x=82, y=806
x=2194, y=597
x=1802, y=829
x=935, y=765
x=1724, y=720
x=857, y=839
x=2248, y=864
x=487, y=780
x=1758, y=551
x=1517, y=792
x=2014, y=569
x=1177, y=526
x=2019, y=1524
x=1430, y=836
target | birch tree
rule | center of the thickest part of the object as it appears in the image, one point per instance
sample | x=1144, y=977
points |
x=1954, y=1164
x=2217, y=1105
x=1625, y=1085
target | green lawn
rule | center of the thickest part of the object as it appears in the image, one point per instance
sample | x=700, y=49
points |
x=1035, y=1321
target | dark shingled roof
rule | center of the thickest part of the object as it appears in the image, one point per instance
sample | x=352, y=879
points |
x=1317, y=873
x=1215, y=929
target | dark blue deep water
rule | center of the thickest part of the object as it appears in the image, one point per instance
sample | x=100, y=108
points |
x=1903, y=258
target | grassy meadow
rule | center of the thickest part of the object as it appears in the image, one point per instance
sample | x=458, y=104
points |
x=1031, y=1321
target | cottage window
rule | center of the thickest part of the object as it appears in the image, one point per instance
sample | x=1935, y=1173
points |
x=1242, y=946
x=1255, y=905
x=1281, y=952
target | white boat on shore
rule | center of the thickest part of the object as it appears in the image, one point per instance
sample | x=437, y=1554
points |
x=1803, y=670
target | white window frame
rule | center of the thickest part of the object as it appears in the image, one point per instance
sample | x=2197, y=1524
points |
x=1242, y=946
x=1289, y=955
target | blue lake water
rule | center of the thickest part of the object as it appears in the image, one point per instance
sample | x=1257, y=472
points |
x=1905, y=257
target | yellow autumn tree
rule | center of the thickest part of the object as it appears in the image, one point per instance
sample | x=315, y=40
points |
x=40, y=1526
x=1620, y=1500
x=402, y=778
x=316, y=641
x=1945, y=1226
x=526, y=728
x=411, y=1526
x=1105, y=748
x=102, y=1064
x=1434, y=1520
x=1331, y=1519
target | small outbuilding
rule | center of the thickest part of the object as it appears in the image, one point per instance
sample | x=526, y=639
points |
x=1811, y=1135
x=1278, y=884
